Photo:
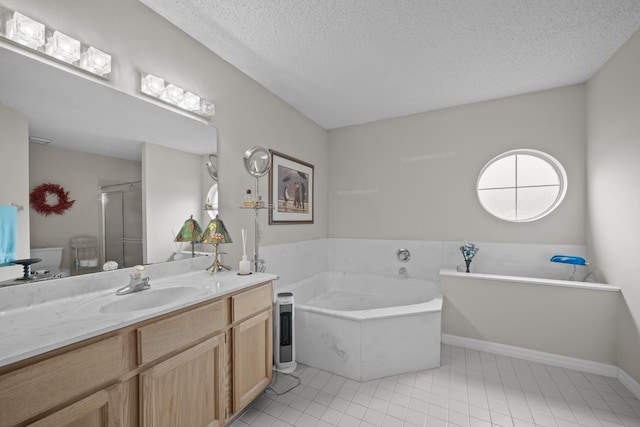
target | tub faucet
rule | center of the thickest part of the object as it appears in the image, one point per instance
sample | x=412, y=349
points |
x=137, y=283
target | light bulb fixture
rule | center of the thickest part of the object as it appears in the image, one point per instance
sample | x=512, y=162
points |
x=63, y=47
x=152, y=85
x=190, y=102
x=156, y=87
x=207, y=108
x=172, y=94
x=96, y=61
x=26, y=31
x=54, y=44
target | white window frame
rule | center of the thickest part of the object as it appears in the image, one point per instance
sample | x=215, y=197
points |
x=553, y=162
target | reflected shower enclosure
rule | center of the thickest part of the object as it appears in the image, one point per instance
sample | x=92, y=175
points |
x=121, y=211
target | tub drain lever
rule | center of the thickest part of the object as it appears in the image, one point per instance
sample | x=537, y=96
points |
x=403, y=255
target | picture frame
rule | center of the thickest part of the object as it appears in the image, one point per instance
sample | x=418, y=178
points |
x=290, y=190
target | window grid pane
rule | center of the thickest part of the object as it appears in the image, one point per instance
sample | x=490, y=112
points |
x=533, y=201
x=521, y=185
x=533, y=171
x=501, y=174
x=500, y=202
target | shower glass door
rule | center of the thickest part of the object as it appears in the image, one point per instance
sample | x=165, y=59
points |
x=122, y=223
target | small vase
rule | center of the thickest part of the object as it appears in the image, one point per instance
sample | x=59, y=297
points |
x=468, y=262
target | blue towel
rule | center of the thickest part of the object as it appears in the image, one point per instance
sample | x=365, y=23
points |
x=8, y=233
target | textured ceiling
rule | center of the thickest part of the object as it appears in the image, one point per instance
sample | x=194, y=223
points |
x=344, y=62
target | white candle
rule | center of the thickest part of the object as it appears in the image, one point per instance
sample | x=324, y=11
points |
x=245, y=265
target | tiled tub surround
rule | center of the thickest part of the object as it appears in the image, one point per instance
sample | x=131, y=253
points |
x=429, y=256
x=367, y=327
x=39, y=317
x=298, y=260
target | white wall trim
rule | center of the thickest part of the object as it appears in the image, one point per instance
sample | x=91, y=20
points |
x=537, y=356
x=628, y=381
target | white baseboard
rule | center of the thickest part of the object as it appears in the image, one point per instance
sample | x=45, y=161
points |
x=536, y=356
x=628, y=381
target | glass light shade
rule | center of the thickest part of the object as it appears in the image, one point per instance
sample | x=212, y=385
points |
x=96, y=61
x=190, y=102
x=207, y=108
x=172, y=94
x=190, y=231
x=152, y=85
x=63, y=47
x=216, y=233
x=25, y=31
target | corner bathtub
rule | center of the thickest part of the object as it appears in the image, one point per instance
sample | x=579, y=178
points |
x=365, y=327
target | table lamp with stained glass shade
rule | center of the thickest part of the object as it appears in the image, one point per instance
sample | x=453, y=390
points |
x=190, y=232
x=215, y=234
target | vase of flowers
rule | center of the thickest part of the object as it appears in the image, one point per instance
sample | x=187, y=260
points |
x=468, y=250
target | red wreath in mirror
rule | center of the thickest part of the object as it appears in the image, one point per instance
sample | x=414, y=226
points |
x=38, y=199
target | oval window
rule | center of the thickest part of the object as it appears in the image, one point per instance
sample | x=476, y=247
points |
x=522, y=185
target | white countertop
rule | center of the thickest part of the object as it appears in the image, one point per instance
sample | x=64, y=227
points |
x=450, y=272
x=33, y=329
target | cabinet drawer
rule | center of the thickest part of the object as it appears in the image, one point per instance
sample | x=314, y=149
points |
x=171, y=334
x=251, y=302
x=31, y=390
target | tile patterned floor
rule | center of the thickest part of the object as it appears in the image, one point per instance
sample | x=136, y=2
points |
x=470, y=389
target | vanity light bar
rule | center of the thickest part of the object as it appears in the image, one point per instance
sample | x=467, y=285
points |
x=52, y=43
x=25, y=31
x=169, y=93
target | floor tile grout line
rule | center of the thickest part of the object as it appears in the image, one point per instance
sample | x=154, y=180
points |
x=508, y=383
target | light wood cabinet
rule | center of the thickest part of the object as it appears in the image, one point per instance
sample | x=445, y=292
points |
x=198, y=367
x=185, y=390
x=252, y=358
x=101, y=409
x=45, y=385
x=177, y=332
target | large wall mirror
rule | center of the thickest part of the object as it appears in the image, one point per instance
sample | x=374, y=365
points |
x=136, y=170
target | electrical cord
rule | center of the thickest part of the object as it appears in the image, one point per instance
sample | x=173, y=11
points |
x=297, y=383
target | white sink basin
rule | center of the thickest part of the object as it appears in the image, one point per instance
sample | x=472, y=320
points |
x=149, y=299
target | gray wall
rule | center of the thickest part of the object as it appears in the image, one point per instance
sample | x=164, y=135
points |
x=414, y=177
x=170, y=183
x=613, y=152
x=571, y=322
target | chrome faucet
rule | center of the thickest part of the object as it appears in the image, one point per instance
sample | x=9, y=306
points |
x=137, y=283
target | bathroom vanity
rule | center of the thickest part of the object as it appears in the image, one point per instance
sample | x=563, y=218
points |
x=196, y=362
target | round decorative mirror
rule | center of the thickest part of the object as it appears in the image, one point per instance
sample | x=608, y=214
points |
x=257, y=161
x=212, y=166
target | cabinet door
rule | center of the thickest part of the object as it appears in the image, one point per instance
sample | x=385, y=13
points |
x=98, y=410
x=252, y=359
x=185, y=390
x=27, y=392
